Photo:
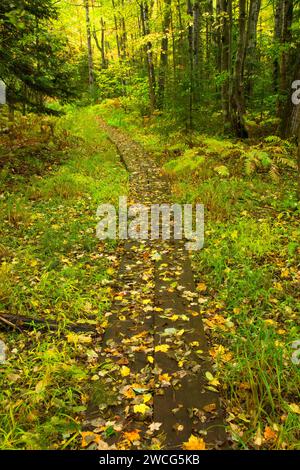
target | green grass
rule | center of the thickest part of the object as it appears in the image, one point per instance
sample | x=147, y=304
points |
x=53, y=267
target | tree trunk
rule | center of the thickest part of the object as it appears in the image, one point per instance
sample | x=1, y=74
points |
x=218, y=37
x=225, y=15
x=277, y=41
x=254, y=10
x=101, y=47
x=208, y=27
x=89, y=44
x=196, y=51
x=144, y=8
x=238, y=98
x=290, y=121
x=116, y=30
x=164, y=53
x=191, y=65
x=286, y=38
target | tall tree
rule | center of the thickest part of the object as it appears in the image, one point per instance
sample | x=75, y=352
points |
x=89, y=43
x=144, y=11
x=251, y=52
x=164, y=53
x=34, y=62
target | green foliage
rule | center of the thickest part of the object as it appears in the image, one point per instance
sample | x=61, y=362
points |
x=52, y=267
x=34, y=60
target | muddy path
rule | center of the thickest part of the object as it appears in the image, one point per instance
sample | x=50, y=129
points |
x=155, y=347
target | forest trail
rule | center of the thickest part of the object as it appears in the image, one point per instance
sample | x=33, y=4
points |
x=157, y=387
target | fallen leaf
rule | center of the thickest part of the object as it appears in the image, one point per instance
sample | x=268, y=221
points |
x=210, y=408
x=269, y=434
x=132, y=435
x=125, y=371
x=294, y=408
x=154, y=427
x=142, y=408
x=162, y=348
x=194, y=443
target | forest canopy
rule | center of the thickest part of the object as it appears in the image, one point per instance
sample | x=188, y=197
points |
x=234, y=59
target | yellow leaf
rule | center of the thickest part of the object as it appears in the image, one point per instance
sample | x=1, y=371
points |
x=201, y=287
x=174, y=317
x=142, y=408
x=295, y=408
x=88, y=437
x=212, y=380
x=125, y=371
x=75, y=339
x=40, y=386
x=194, y=443
x=147, y=397
x=164, y=378
x=132, y=435
x=162, y=348
x=150, y=359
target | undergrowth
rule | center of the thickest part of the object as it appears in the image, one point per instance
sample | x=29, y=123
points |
x=53, y=268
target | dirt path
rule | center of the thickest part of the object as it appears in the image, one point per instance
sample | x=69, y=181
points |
x=155, y=348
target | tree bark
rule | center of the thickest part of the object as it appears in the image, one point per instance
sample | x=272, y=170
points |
x=164, y=53
x=251, y=55
x=89, y=44
x=225, y=17
x=238, y=98
x=101, y=46
x=144, y=9
x=191, y=65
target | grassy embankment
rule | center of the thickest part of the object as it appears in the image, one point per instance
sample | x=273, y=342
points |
x=53, y=267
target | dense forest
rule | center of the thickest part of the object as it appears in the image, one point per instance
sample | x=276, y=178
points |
x=204, y=96
x=173, y=58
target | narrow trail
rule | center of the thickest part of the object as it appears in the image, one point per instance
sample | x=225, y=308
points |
x=155, y=343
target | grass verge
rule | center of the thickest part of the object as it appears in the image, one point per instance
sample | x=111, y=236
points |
x=53, y=267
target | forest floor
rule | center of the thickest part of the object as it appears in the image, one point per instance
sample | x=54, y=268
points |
x=53, y=267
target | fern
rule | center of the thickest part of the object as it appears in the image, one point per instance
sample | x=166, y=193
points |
x=274, y=173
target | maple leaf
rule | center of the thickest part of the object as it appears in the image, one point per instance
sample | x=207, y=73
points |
x=194, y=443
x=132, y=435
x=154, y=427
